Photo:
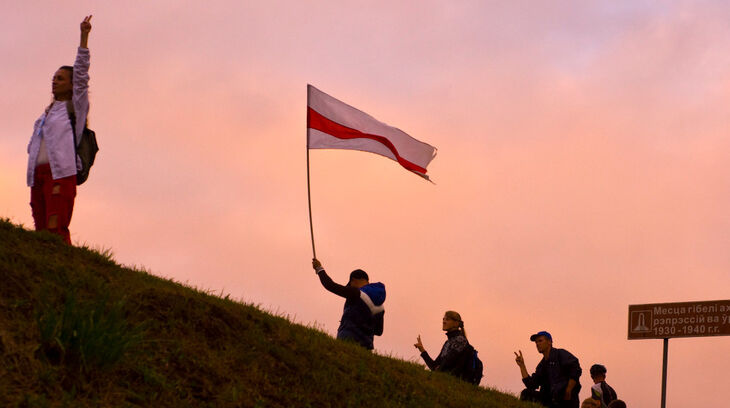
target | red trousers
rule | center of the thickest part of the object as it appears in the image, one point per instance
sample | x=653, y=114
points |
x=52, y=202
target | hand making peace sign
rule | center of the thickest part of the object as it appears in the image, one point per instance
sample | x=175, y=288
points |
x=519, y=360
x=86, y=25
x=85, y=29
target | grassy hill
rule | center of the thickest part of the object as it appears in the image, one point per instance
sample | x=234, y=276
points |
x=76, y=329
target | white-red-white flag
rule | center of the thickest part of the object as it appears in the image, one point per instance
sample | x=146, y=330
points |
x=333, y=124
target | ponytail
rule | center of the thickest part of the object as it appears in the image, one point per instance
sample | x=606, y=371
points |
x=457, y=317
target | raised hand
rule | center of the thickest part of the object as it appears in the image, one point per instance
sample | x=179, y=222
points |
x=316, y=264
x=85, y=29
x=86, y=25
x=419, y=344
x=519, y=359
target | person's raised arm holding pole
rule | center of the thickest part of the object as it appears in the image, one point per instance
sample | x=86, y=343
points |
x=362, y=316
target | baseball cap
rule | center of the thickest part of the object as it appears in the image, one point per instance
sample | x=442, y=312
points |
x=541, y=333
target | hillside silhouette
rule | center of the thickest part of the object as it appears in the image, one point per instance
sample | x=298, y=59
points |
x=76, y=329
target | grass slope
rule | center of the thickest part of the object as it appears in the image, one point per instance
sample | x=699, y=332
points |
x=76, y=329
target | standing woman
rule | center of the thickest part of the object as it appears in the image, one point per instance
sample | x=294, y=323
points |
x=52, y=161
x=451, y=358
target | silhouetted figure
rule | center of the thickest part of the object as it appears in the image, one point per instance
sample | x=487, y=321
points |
x=362, y=317
x=557, y=375
x=600, y=390
x=452, y=357
x=617, y=404
x=52, y=162
x=590, y=403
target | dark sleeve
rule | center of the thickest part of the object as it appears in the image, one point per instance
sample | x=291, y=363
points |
x=454, y=355
x=570, y=365
x=533, y=382
x=430, y=362
x=339, y=290
x=609, y=394
x=379, y=323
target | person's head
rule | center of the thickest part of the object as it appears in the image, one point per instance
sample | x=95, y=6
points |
x=62, y=84
x=452, y=321
x=358, y=278
x=598, y=373
x=590, y=403
x=543, y=341
x=617, y=404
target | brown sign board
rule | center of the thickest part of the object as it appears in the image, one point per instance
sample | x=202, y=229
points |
x=685, y=319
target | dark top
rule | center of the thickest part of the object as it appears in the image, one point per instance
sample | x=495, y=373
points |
x=451, y=357
x=552, y=374
x=606, y=394
x=357, y=323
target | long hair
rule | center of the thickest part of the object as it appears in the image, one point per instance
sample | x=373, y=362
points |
x=457, y=317
x=70, y=70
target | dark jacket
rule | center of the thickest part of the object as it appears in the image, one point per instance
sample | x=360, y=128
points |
x=362, y=316
x=451, y=358
x=604, y=393
x=552, y=375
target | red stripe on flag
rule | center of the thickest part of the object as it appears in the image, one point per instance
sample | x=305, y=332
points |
x=318, y=122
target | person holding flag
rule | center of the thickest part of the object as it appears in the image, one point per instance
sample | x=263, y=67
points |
x=362, y=316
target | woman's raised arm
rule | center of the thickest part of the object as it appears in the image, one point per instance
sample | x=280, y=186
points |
x=85, y=29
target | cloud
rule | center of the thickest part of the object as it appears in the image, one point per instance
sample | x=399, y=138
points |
x=581, y=166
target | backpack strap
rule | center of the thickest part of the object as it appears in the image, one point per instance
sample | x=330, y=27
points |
x=72, y=118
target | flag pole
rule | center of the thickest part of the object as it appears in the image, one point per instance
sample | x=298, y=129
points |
x=309, y=193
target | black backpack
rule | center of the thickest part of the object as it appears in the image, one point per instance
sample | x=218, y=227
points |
x=473, y=368
x=86, y=149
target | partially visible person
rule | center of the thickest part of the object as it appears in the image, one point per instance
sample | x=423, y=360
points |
x=556, y=380
x=590, y=403
x=452, y=357
x=362, y=316
x=617, y=404
x=52, y=161
x=600, y=390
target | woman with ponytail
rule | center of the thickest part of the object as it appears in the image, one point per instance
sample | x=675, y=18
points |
x=452, y=356
x=52, y=160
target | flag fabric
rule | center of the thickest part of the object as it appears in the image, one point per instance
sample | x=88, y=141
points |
x=333, y=124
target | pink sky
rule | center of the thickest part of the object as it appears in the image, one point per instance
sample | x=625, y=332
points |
x=582, y=164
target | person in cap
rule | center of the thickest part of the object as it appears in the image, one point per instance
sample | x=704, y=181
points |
x=362, y=316
x=451, y=357
x=600, y=390
x=557, y=375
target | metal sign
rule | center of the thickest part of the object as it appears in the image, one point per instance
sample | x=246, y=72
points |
x=686, y=319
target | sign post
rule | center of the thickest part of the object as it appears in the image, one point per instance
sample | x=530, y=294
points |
x=686, y=319
x=664, y=373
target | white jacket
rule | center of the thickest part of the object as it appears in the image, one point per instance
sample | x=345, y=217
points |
x=55, y=127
